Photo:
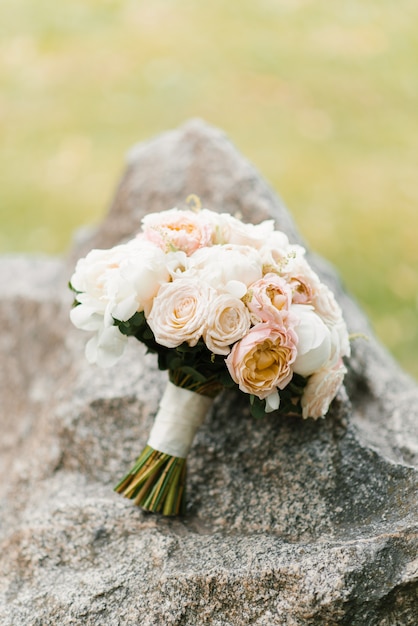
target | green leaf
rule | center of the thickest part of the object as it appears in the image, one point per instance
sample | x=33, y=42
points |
x=148, y=334
x=175, y=362
x=258, y=409
x=162, y=360
x=124, y=330
x=197, y=376
x=225, y=379
x=184, y=348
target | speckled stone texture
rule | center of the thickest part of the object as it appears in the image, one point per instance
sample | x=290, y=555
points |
x=289, y=522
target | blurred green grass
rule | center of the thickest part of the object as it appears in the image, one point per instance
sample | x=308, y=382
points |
x=321, y=98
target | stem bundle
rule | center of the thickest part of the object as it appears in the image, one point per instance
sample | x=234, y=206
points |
x=156, y=482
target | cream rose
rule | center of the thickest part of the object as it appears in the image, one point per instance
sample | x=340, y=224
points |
x=228, y=321
x=314, y=340
x=340, y=341
x=330, y=312
x=321, y=389
x=326, y=305
x=179, y=312
x=178, y=230
x=262, y=360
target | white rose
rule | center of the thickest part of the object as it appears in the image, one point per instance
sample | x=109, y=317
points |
x=314, y=340
x=179, y=312
x=321, y=389
x=228, y=321
x=228, y=268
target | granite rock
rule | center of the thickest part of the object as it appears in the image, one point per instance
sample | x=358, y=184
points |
x=289, y=522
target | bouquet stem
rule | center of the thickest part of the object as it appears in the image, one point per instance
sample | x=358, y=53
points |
x=156, y=482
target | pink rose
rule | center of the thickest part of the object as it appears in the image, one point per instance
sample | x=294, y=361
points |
x=262, y=360
x=297, y=272
x=178, y=230
x=302, y=291
x=269, y=299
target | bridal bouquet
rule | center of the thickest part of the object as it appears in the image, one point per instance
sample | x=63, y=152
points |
x=223, y=304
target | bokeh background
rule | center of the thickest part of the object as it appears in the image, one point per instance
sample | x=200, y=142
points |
x=322, y=97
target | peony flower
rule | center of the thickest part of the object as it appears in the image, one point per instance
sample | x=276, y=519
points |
x=118, y=282
x=272, y=401
x=228, y=321
x=179, y=312
x=269, y=299
x=262, y=360
x=114, y=284
x=106, y=347
x=314, y=340
x=91, y=273
x=142, y=273
x=230, y=230
x=85, y=316
x=228, y=268
x=275, y=251
x=91, y=280
x=178, y=230
x=321, y=389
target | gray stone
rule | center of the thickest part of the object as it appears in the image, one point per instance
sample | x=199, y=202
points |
x=289, y=522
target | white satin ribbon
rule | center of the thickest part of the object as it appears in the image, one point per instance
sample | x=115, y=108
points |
x=179, y=416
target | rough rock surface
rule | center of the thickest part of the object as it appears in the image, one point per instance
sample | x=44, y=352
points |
x=289, y=522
